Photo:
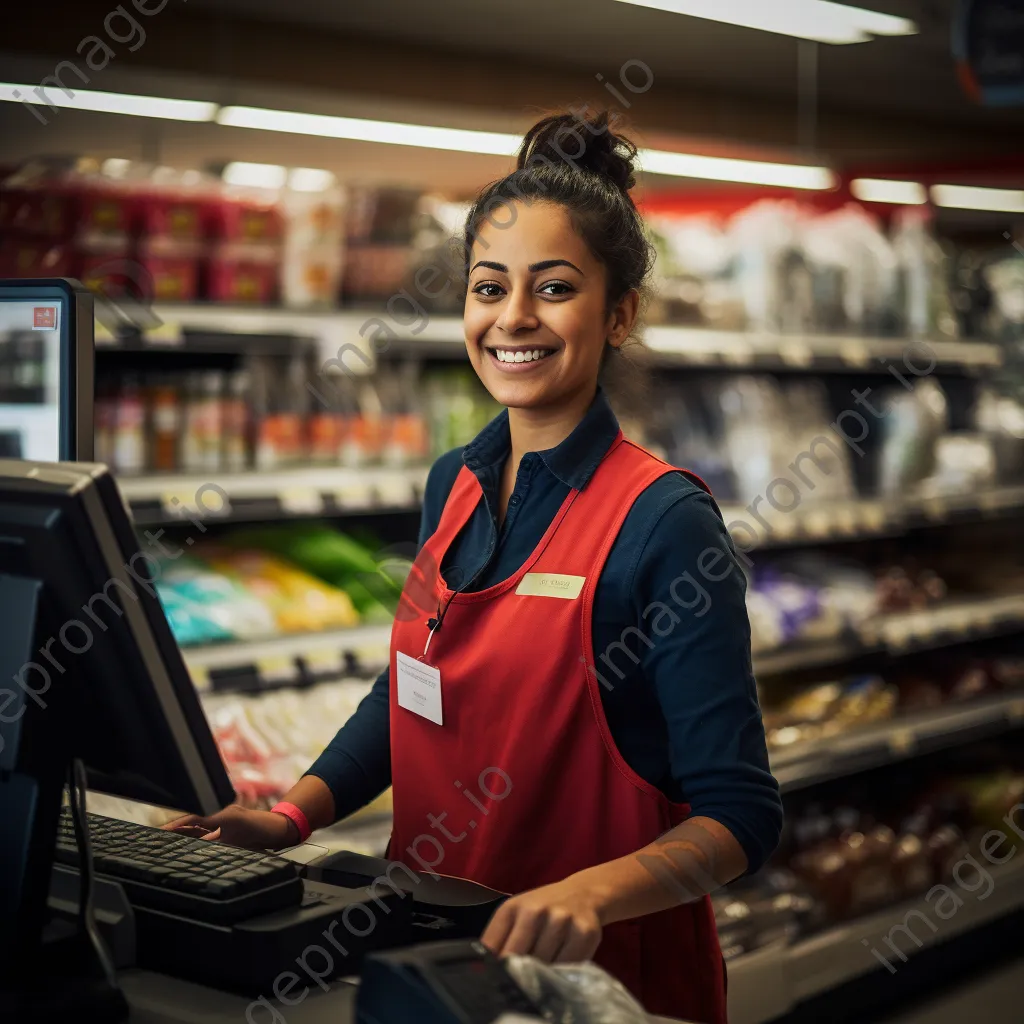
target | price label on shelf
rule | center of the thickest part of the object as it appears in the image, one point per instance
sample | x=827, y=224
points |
x=796, y=353
x=325, y=662
x=200, y=677
x=301, y=501
x=276, y=669
x=358, y=494
x=737, y=353
x=395, y=490
x=176, y=503
x=902, y=741
x=873, y=516
x=935, y=508
x=854, y=353
x=818, y=523
x=164, y=334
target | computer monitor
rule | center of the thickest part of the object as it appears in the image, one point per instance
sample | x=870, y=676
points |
x=89, y=670
x=46, y=370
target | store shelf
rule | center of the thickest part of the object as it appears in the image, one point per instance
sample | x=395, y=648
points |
x=894, y=740
x=898, y=633
x=664, y=345
x=282, y=494
x=331, y=490
x=949, y=623
x=289, y=660
x=768, y=983
x=695, y=346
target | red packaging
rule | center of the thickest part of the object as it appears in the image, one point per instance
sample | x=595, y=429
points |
x=172, y=267
x=25, y=256
x=243, y=274
x=242, y=220
x=170, y=215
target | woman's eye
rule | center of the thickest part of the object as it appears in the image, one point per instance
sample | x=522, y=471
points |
x=555, y=288
x=487, y=289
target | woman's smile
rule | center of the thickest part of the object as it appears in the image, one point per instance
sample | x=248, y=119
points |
x=509, y=359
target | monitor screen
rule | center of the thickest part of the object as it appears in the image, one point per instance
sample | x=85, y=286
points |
x=30, y=379
x=46, y=360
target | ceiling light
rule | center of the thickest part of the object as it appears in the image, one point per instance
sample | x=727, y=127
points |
x=310, y=179
x=392, y=132
x=820, y=20
x=255, y=175
x=750, y=172
x=109, y=102
x=973, y=197
x=884, y=190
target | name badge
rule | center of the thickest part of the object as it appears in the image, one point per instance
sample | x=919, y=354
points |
x=419, y=688
x=549, y=584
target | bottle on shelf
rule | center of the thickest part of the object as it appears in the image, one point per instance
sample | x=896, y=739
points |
x=165, y=425
x=129, y=436
x=236, y=426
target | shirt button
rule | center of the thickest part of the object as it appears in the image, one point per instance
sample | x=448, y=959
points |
x=514, y=500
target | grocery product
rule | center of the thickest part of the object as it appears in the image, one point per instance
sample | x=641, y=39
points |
x=212, y=597
x=299, y=602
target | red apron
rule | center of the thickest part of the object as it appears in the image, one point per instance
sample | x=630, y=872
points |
x=522, y=785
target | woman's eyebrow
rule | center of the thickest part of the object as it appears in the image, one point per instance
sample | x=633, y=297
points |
x=533, y=267
x=548, y=264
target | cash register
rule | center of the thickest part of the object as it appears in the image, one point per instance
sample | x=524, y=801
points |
x=95, y=696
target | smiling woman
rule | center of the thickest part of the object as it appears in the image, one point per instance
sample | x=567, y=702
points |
x=557, y=258
x=547, y=543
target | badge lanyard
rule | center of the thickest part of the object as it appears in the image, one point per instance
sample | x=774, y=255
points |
x=434, y=622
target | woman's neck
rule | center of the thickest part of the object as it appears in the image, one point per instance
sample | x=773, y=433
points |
x=537, y=430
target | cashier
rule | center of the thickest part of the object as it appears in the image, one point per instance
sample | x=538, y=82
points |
x=569, y=715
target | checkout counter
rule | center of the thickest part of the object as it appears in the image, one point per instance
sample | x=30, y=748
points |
x=159, y=999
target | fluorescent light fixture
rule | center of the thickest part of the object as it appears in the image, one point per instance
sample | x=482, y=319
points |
x=108, y=102
x=310, y=179
x=974, y=197
x=749, y=172
x=255, y=175
x=885, y=190
x=460, y=140
x=654, y=161
x=820, y=20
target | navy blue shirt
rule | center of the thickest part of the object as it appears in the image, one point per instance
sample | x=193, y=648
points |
x=678, y=689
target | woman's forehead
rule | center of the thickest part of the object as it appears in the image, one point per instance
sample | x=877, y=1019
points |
x=523, y=234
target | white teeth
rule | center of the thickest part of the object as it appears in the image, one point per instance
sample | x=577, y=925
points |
x=520, y=355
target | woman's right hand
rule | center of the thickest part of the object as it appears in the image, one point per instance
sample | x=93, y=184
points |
x=240, y=826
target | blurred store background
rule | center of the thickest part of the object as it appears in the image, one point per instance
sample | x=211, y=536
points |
x=263, y=197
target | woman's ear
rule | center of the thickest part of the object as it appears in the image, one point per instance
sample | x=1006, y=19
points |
x=622, y=318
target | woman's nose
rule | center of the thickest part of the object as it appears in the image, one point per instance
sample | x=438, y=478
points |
x=517, y=315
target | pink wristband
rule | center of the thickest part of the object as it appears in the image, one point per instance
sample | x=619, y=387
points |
x=296, y=815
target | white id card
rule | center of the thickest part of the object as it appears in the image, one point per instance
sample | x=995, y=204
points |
x=419, y=688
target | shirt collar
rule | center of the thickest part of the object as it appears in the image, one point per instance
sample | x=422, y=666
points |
x=573, y=461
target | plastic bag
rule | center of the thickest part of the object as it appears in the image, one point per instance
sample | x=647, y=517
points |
x=575, y=993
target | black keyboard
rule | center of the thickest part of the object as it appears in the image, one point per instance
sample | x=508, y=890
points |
x=203, y=880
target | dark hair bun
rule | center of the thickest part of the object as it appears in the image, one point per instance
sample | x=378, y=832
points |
x=586, y=143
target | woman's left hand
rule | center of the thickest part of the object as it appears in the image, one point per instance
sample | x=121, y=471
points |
x=557, y=923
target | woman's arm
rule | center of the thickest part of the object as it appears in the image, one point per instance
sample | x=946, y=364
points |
x=698, y=661
x=562, y=922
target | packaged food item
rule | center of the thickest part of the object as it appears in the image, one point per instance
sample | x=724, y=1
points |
x=236, y=426
x=201, y=440
x=313, y=247
x=130, y=427
x=215, y=599
x=299, y=602
x=165, y=425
